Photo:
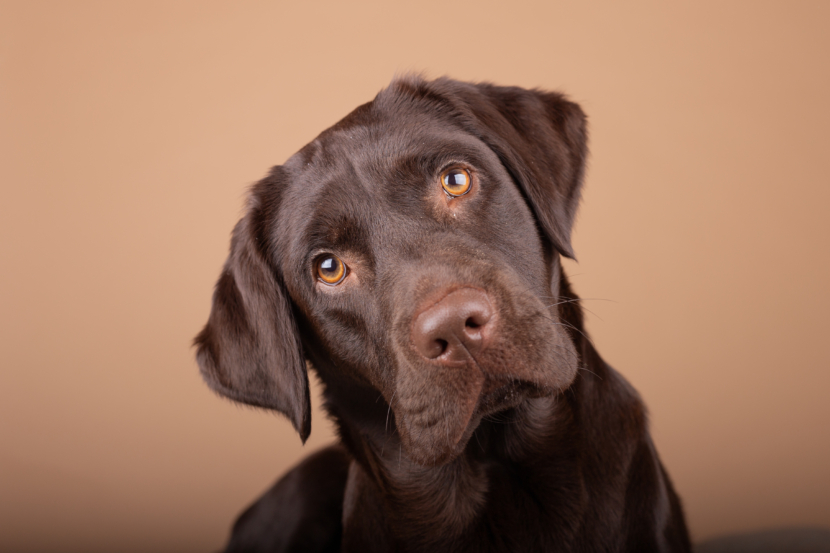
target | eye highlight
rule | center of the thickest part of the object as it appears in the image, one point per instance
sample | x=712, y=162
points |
x=456, y=181
x=330, y=270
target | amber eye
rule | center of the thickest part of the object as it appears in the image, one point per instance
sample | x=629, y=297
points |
x=331, y=270
x=456, y=182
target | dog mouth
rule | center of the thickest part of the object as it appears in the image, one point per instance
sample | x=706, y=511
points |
x=500, y=395
x=498, y=347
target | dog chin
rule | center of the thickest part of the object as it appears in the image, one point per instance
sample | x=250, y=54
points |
x=441, y=439
x=431, y=449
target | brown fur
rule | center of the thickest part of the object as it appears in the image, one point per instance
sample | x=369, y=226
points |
x=530, y=442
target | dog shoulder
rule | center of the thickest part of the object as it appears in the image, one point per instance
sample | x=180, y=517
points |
x=302, y=511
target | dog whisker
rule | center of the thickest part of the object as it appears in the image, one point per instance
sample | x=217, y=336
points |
x=574, y=300
x=389, y=410
x=568, y=325
x=582, y=368
x=577, y=300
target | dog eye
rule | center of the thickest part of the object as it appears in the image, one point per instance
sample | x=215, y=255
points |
x=456, y=182
x=331, y=270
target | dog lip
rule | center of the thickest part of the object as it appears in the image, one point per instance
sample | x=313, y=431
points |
x=499, y=396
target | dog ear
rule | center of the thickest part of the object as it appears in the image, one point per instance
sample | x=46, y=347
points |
x=250, y=349
x=542, y=140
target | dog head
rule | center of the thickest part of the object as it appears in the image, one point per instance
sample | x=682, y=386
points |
x=411, y=250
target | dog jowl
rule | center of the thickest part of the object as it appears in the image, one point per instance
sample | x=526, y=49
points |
x=411, y=255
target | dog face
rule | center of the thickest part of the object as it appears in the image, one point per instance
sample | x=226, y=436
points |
x=412, y=249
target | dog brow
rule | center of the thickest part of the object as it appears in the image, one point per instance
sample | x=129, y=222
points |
x=330, y=227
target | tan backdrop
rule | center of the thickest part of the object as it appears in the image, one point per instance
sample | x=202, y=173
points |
x=130, y=132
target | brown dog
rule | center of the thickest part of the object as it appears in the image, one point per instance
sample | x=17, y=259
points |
x=411, y=255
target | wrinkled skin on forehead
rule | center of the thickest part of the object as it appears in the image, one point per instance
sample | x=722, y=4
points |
x=373, y=197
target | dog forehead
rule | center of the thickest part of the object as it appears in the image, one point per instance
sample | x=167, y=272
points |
x=380, y=141
x=366, y=157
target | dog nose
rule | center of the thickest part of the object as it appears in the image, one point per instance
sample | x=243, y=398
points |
x=454, y=328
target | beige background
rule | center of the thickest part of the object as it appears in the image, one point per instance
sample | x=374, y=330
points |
x=130, y=132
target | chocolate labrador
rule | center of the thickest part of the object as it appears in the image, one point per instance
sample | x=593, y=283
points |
x=411, y=255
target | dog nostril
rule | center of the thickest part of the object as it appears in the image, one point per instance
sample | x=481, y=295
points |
x=442, y=346
x=479, y=317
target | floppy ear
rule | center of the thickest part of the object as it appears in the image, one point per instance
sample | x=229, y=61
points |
x=541, y=138
x=250, y=349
